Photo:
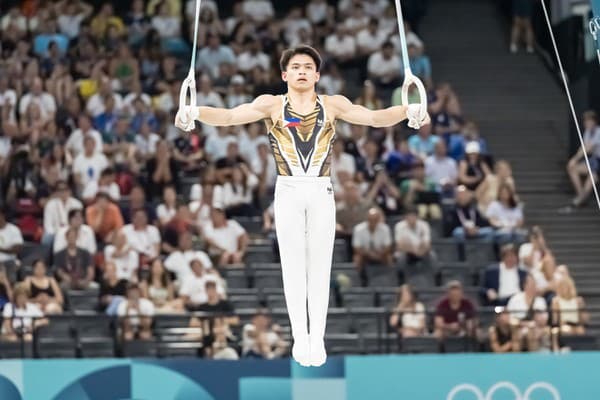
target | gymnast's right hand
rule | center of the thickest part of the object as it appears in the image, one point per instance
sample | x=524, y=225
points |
x=186, y=117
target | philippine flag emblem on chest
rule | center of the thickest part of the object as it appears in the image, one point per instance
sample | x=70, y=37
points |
x=292, y=122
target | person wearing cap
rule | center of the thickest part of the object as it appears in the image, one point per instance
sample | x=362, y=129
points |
x=455, y=315
x=472, y=170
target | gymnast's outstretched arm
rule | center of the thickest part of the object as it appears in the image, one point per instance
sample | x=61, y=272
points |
x=345, y=110
x=246, y=113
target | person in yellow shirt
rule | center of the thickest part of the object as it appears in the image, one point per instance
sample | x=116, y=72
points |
x=104, y=19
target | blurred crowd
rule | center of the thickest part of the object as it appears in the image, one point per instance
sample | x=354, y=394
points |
x=122, y=203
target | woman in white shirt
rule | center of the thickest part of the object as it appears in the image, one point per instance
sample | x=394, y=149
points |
x=19, y=316
x=506, y=216
x=168, y=208
x=409, y=314
x=237, y=192
x=569, y=309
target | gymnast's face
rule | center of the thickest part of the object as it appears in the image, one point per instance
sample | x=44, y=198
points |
x=301, y=73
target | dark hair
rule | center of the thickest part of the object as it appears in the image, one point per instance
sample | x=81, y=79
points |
x=107, y=171
x=287, y=55
x=512, y=201
x=591, y=115
x=210, y=284
x=74, y=212
x=165, y=279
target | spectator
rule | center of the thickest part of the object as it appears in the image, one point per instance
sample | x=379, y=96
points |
x=168, y=208
x=465, y=221
x=341, y=45
x=487, y=191
x=161, y=170
x=569, y=309
x=237, y=93
x=136, y=315
x=201, y=204
x=112, y=290
x=504, y=337
x=104, y=19
x=265, y=169
x=372, y=38
x=88, y=165
x=142, y=237
x=577, y=169
x=193, y=289
x=74, y=265
x=106, y=184
x=96, y=103
x=104, y=217
x=44, y=100
x=368, y=98
x=213, y=55
x=75, y=143
x=262, y=339
x=124, y=258
x=11, y=240
x=421, y=192
x=458, y=141
x=442, y=169
x=259, y=11
x=455, y=314
x=179, y=261
x=400, y=160
x=413, y=239
x=21, y=316
x=532, y=254
x=409, y=315
x=217, y=305
x=422, y=144
x=85, y=235
x=137, y=200
x=253, y=57
x=420, y=64
x=226, y=238
x=43, y=290
x=506, y=216
x=237, y=192
x=522, y=11
x=372, y=242
x=473, y=169
x=501, y=281
x=529, y=312
x=384, y=66
x=158, y=288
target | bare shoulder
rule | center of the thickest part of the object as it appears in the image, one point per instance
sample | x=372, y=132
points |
x=266, y=102
x=337, y=104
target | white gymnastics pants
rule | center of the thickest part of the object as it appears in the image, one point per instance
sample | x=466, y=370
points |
x=305, y=226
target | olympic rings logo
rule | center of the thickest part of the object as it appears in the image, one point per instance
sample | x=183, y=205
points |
x=535, y=387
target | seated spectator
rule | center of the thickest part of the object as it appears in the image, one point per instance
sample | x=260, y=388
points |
x=112, y=290
x=569, y=309
x=21, y=316
x=263, y=166
x=408, y=316
x=501, y=281
x=44, y=290
x=442, y=169
x=179, y=261
x=161, y=170
x=341, y=45
x=504, y=337
x=11, y=240
x=262, y=339
x=142, y=237
x=193, y=289
x=455, y=314
x=219, y=306
x=168, y=208
x=136, y=315
x=420, y=64
x=487, y=192
x=5, y=287
x=399, y=161
x=56, y=211
x=465, y=221
x=368, y=98
x=74, y=265
x=532, y=253
x=529, y=312
x=104, y=217
x=85, y=235
x=546, y=278
x=88, y=165
x=125, y=258
x=577, y=169
x=372, y=242
x=422, y=144
x=384, y=67
x=413, y=239
x=221, y=349
x=422, y=193
x=458, y=141
x=201, y=203
x=137, y=200
x=106, y=184
x=237, y=192
x=506, y=216
x=158, y=288
x=472, y=170
x=226, y=238
x=351, y=211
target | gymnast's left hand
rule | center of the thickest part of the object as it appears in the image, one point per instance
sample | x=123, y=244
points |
x=417, y=116
x=186, y=117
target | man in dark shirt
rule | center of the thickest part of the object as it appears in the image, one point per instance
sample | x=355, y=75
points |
x=74, y=265
x=215, y=304
x=465, y=222
x=454, y=314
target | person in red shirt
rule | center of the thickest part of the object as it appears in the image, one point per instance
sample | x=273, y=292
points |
x=454, y=314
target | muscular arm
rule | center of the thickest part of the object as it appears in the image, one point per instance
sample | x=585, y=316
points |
x=259, y=109
x=345, y=110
